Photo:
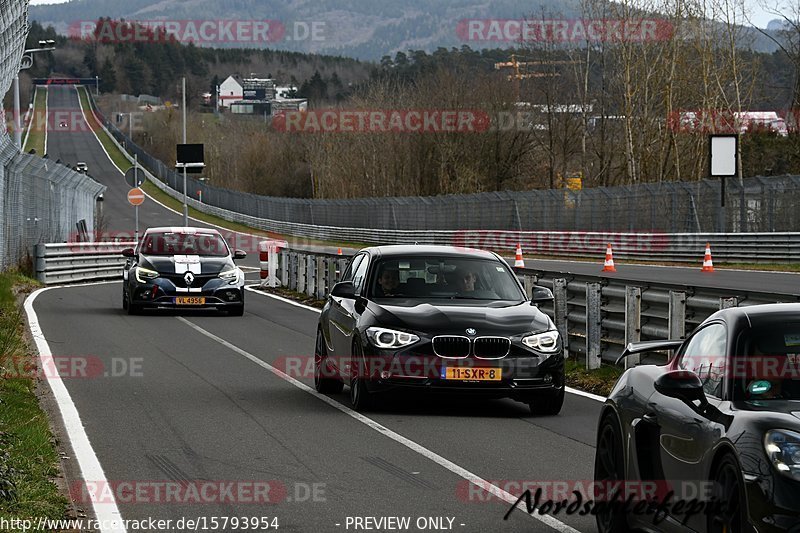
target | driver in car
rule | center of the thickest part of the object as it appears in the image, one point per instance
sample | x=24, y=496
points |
x=388, y=281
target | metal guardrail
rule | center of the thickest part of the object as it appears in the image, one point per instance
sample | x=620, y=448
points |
x=79, y=261
x=762, y=247
x=596, y=316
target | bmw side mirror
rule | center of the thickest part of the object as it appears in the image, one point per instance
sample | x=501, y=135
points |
x=344, y=289
x=682, y=385
x=541, y=295
x=239, y=254
x=128, y=252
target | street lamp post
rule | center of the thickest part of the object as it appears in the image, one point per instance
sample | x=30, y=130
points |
x=25, y=64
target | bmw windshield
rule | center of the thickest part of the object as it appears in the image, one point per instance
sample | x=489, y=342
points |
x=444, y=277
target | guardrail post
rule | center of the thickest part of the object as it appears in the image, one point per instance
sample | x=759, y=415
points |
x=528, y=282
x=725, y=303
x=341, y=267
x=332, y=272
x=301, y=273
x=321, y=281
x=40, y=251
x=593, y=326
x=560, y=311
x=633, y=321
x=677, y=314
x=284, y=265
x=311, y=269
x=293, y=271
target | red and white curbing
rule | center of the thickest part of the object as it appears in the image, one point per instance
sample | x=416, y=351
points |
x=268, y=261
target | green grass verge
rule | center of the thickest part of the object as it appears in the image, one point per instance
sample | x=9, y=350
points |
x=28, y=458
x=599, y=381
x=37, y=134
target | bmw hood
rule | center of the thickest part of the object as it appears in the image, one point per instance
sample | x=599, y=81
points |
x=178, y=264
x=456, y=316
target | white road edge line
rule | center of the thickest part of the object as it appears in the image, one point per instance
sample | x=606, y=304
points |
x=107, y=513
x=383, y=430
x=576, y=392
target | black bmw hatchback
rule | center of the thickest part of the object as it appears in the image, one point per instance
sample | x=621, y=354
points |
x=437, y=319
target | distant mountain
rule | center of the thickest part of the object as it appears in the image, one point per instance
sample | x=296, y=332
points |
x=365, y=29
x=778, y=25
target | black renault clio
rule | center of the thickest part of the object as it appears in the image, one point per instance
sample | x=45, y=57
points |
x=437, y=319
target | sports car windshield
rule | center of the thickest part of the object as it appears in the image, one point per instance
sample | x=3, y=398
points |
x=202, y=244
x=769, y=366
x=444, y=277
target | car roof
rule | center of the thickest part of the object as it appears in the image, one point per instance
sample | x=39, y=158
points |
x=761, y=314
x=179, y=229
x=425, y=250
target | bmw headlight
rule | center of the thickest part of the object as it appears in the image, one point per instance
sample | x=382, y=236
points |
x=783, y=449
x=144, y=274
x=231, y=276
x=388, y=338
x=546, y=342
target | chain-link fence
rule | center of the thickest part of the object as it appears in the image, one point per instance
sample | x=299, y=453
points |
x=42, y=201
x=756, y=205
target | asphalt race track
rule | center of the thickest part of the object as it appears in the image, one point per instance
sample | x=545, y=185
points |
x=196, y=398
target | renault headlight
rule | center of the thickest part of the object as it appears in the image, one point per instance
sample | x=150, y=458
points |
x=783, y=450
x=231, y=276
x=546, y=342
x=144, y=274
x=388, y=338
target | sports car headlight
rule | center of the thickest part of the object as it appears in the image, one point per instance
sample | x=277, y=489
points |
x=389, y=338
x=230, y=275
x=144, y=274
x=783, y=449
x=546, y=342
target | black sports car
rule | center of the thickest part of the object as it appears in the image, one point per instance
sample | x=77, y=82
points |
x=718, y=426
x=438, y=319
x=182, y=268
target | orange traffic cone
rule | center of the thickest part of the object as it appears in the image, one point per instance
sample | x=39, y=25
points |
x=708, y=266
x=608, y=266
x=519, y=262
x=339, y=252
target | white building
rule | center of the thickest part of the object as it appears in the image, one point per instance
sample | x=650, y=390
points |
x=230, y=90
x=285, y=92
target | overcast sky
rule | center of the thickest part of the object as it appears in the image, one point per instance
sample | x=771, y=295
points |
x=759, y=16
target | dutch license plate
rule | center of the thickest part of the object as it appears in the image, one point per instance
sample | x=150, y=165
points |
x=472, y=374
x=190, y=300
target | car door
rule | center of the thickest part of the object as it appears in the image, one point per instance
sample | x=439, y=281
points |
x=341, y=316
x=687, y=432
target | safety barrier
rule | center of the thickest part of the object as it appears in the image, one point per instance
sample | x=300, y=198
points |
x=78, y=262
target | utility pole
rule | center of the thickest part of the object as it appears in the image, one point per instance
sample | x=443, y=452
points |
x=185, y=199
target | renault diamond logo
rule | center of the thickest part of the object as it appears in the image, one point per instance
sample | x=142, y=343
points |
x=188, y=278
x=471, y=331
